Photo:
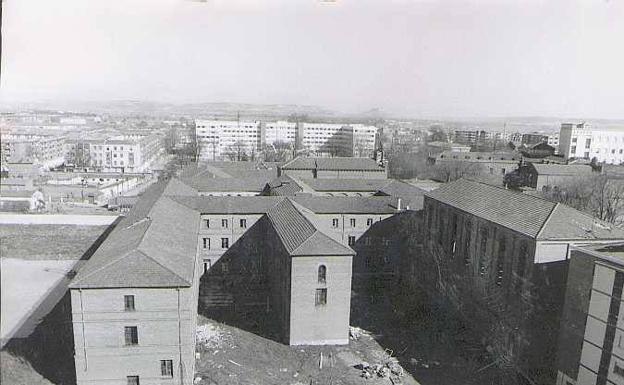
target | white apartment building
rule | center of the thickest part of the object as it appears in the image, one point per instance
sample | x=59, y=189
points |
x=223, y=139
x=119, y=153
x=553, y=141
x=30, y=147
x=583, y=141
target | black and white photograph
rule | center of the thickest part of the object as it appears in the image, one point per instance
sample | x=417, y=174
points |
x=312, y=192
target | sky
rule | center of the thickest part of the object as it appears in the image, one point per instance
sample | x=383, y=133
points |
x=414, y=58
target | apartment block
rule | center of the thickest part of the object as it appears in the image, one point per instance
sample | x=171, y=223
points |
x=584, y=141
x=224, y=139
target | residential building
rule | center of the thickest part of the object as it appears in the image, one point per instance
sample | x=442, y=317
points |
x=540, y=176
x=591, y=340
x=498, y=258
x=553, y=141
x=487, y=164
x=226, y=139
x=533, y=139
x=581, y=140
x=336, y=167
x=45, y=150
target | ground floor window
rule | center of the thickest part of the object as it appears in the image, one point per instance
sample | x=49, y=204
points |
x=132, y=380
x=166, y=368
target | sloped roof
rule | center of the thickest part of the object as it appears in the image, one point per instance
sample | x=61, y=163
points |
x=299, y=236
x=282, y=186
x=526, y=214
x=363, y=185
x=562, y=169
x=353, y=205
x=156, y=246
x=336, y=163
x=481, y=156
x=254, y=185
x=229, y=205
x=411, y=195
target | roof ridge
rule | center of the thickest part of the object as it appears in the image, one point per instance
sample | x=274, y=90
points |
x=543, y=226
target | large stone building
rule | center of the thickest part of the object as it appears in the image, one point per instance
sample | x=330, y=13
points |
x=591, y=340
x=134, y=303
x=583, y=141
x=334, y=168
x=499, y=259
x=229, y=139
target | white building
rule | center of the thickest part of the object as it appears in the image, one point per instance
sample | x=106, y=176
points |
x=223, y=139
x=583, y=141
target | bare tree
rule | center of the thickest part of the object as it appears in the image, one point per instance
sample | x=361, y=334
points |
x=452, y=170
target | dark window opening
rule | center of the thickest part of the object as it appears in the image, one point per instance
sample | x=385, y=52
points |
x=321, y=297
x=129, y=302
x=166, y=368
x=131, y=335
x=322, y=274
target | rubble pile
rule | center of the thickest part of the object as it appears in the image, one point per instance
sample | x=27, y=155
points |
x=355, y=333
x=209, y=336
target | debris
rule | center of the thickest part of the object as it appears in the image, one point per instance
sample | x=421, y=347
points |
x=235, y=363
x=355, y=332
x=197, y=380
x=390, y=369
x=209, y=336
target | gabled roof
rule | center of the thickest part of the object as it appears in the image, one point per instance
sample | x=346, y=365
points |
x=233, y=185
x=156, y=246
x=526, y=214
x=361, y=185
x=411, y=195
x=330, y=164
x=299, y=236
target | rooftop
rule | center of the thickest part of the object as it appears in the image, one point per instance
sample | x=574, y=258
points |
x=336, y=163
x=562, y=169
x=526, y=214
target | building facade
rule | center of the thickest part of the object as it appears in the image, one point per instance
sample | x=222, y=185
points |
x=583, y=141
x=228, y=139
x=591, y=341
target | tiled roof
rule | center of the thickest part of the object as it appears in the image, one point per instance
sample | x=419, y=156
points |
x=254, y=185
x=156, y=247
x=480, y=156
x=299, y=236
x=411, y=195
x=336, y=163
x=562, y=169
x=282, y=186
x=362, y=185
x=229, y=205
x=526, y=214
x=353, y=205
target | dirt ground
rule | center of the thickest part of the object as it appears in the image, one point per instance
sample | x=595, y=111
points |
x=234, y=356
x=15, y=370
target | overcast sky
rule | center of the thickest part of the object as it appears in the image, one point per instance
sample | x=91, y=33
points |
x=417, y=58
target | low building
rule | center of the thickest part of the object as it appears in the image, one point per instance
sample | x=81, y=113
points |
x=337, y=167
x=449, y=164
x=498, y=258
x=541, y=175
x=591, y=340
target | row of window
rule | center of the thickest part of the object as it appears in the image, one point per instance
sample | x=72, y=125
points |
x=225, y=243
x=225, y=223
x=352, y=222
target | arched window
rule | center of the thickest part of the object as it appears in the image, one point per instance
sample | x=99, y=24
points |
x=322, y=274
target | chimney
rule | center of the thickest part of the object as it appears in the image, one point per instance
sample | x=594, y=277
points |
x=399, y=204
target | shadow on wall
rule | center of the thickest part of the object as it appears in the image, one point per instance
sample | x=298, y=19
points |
x=235, y=289
x=50, y=347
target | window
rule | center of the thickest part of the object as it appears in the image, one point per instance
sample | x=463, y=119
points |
x=574, y=140
x=573, y=149
x=453, y=234
x=207, y=222
x=207, y=265
x=522, y=261
x=500, y=262
x=321, y=297
x=351, y=240
x=335, y=223
x=132, y=380
x=224, y=223
x=617, y=369
x=352, y=222
x=225, y=267
x=166, y=368
x=243, y=223
x=132, y=335
x=322, y=274
x=225, y=243
x=128, y=302
x=467, y=242
x=587, y=143
x=369, y=222
x=483, y=250
x=206, y=243
x=503, y=171
x=367, y=241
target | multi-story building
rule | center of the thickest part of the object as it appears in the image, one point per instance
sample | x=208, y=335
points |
x=134, y=303
x=591, y=340
x=118, y=153
x=499, y=259
x=581, y=140
x=30, y=147
x=534, y=138
x=224, y=139
x=553, y=141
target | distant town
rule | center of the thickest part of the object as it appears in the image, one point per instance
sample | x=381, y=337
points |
x=288, y=249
